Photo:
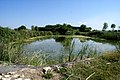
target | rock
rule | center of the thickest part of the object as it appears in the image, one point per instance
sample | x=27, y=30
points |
x=24, y=69
x=19, y=79
x=68, y=64
x=27, y=79
x=36, y=78
x=57, y=67
x=22, y=76
x=28, y=70
x=11, y=73
x=86, y=62
x=6, y=76
x=33, y=70
x=108, y=63
x=6, y=79
x=16, y=76
x=89, y=59
x=46, y=70
x=0, y=77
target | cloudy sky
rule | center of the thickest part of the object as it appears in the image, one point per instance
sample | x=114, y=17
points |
x=94, y=13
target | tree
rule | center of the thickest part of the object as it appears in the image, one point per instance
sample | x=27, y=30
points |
x=32, y=27
x=105, y=26
x=113, y=26
x=36, y=28
x=82, y=28
x=88, y=29
x=118, y=27
x=22, y=27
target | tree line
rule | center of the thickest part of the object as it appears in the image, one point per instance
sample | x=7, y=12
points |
x=8, y=35
x=113, y=26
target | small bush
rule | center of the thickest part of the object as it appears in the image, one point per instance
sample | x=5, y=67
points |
x=111, y=57
x=99, y=66
x=47, y=75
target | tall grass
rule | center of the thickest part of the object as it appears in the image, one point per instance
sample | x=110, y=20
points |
x=35, y=59
x=86, y=51
x=71, y=50
x=118, y=46
x=13, y=53
x=104, y=67
x=115, y=36
x=10, y=52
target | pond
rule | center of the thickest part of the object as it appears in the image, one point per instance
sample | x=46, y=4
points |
x=56, y=47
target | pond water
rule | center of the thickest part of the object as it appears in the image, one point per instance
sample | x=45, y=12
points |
x=57, y=46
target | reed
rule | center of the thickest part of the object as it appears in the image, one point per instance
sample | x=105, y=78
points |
x=13, y=53
x=34, y=59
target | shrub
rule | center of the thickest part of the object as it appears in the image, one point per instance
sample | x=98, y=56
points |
x=47, y=75
x=111, y=57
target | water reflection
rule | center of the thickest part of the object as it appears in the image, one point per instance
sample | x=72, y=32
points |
x=60, y=46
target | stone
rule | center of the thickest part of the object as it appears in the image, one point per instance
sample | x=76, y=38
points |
x=32, y=70
x=16, y=76
x=86, y=62
x=6, y=76
x=11, y=73
x=1, y=77
x=22, y=76
x=27, y=79
x=24, y=69
x=67, y=64
x=46, y=70
x=57, y=67
x=19, y=79
x=108, y=63
x=89, y=59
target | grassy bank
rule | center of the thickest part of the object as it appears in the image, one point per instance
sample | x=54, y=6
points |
x=13, y=53
x=49, y=36
x=115, y=36
x=104, y=67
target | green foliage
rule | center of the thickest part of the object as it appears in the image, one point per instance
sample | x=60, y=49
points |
x=9, y=52
x=111, y=57
x=8, y=35
x=110, y=35
x=100, y=67
x=36, y=59
x=113, y=26
x=84, y=28
x=118, y=46
x=105, y=26
x=32, y=27
x=47, y=75
x=105, y=35
x=12, y=52
x=64, y=29
x=22, y=27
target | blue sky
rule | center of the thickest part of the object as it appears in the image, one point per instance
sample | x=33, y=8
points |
x=94, y=13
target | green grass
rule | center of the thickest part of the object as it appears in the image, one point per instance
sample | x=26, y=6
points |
x=115, y=36
x=35, y=59
x=47, y=75
x=12, y=53
x=114, y=57
x=102, y=69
